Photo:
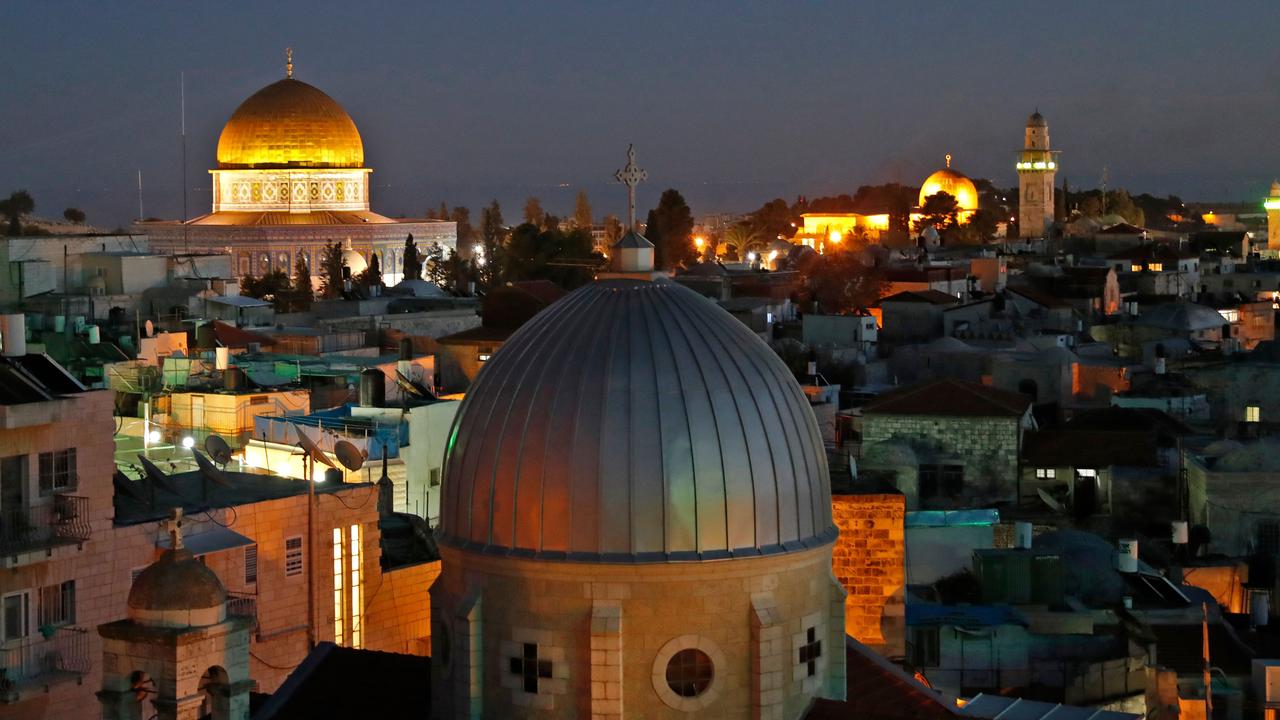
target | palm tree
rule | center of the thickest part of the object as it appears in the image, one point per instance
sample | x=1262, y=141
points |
x=740, y=237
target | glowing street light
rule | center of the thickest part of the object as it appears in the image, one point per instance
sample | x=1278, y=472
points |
x=153, y=436
x=751, y=257
x=835, y=237
x=699, y=241
x=188, y=442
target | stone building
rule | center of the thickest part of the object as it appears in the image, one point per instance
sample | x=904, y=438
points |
x=291, y=179
x=869, y=559
x=636, y=520
x=952, y=444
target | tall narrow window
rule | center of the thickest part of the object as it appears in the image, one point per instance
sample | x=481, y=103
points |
x=339, y=634
x=1253, y=414
x=357, y=588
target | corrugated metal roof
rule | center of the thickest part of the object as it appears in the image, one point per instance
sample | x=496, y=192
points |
x=995, y=707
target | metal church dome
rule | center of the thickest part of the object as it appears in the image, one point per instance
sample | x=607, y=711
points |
x=635, y=421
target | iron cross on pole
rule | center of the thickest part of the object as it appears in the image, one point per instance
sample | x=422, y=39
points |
x=631, y=176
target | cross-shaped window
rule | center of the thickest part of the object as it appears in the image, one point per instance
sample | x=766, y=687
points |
x=529, y=668
x=811, y=651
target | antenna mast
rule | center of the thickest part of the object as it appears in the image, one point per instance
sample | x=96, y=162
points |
x=140, y=214
x=182, y=94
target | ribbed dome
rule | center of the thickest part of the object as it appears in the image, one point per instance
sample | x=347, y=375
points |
x=635, y=421
x=290, y=124
x=1036, y=120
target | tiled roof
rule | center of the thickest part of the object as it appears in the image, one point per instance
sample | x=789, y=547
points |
x=880, y=690
x=950, y=398
x=933, y=297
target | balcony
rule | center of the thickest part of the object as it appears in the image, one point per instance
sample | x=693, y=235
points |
x=65, y=521
x=243, y=605
x=43, y=661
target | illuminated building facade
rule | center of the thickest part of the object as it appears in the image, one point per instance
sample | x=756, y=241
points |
x=290, y=179
x=1272, y=206
x=1037, y=166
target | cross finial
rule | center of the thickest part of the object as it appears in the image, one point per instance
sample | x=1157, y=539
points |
x=631, y=176
x=173, y=526
x=288, y=62
x=948, y=161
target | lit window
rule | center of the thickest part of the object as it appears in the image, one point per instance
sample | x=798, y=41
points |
x=1046, y=473
x=484, y=356
x=811, y=651
x=1155, y=267
x=529, y=667
x=689, y=672
x=1253, y=414
x=339, y=627
x=293, y=556
x=1136, y=268
x=357, y=587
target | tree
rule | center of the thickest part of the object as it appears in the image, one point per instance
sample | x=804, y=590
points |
x=612, y=229
x=939, y=211
x=839, y=281
x=533, y=212
x=331, y=267
x=582, y=211
x=272, y=287
x=445, y=269
x=534, y=254
x=73, y=215
x=774, y=218
x=371, y=275
x=466, y=231
x=670, y=229
x=411, y=261
x=493, y=235
x=739, y=237
x=15, y=207
x=302, y=293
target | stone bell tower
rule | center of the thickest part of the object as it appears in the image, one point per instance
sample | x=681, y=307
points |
x=1272, y=206
x=1037, y=165
x=178, y=651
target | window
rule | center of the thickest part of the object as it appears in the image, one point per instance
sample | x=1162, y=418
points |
x=529, y=668
x=15, y=616
x=348, y=587
x=339, y=616
x=356, y=563
x=57, y=471
x=1046, y=473
x=1253, y=414
x=1155, y=267
x=689, y=672
x=484, y=355
x=811, y=651
x=928, y=480
x=259, y=400
x=953, y=479
x=434, y=480
x=1230, y=315
x=923, y=650
x=1136, y=267
x=58, y=604
x=250, y=564
x=1268, y=538
x=293, y=556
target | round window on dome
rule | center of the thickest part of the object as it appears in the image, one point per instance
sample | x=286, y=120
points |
x=690, y=672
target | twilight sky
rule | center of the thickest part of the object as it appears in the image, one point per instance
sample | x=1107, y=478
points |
x=733, y=103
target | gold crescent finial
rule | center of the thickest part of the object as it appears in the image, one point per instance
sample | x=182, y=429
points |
x=948, y=161
x=288, y=62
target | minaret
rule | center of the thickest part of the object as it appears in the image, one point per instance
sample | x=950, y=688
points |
x=1037, y=166
x=1272, y=205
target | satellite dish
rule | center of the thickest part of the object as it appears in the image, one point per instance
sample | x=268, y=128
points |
x=124, y=485
x=150, y=328
x=309, y=446
x=218, y=449
x=156, y=475
x=209, y=471
x=349, y=455
x=1054, y=505
x=412, y=388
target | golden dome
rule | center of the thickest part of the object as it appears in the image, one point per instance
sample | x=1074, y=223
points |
x=290, y=124
x=953, y=183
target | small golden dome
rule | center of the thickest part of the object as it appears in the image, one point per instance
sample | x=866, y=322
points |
x=954, y=184
x=290, y=124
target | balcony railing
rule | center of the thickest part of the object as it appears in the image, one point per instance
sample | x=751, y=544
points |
x=41, y=660
x=243, y=604
x=64, y=521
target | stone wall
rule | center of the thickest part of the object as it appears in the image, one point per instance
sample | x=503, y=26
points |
x=987, y=447
x=869, y=560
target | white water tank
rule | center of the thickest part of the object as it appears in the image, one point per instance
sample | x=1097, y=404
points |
x=59, y=323
x=1127, y=556
x=1181, y=533
x=95, y=334
x=1022, y=535
x=221, y=358
x=13, y=334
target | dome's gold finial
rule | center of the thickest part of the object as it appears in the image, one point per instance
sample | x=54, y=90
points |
x=288, y=62
x=948, y=160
